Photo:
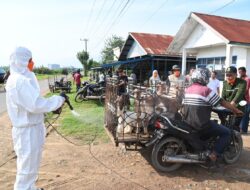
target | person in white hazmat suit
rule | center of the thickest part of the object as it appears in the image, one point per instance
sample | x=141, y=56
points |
x=26, y=110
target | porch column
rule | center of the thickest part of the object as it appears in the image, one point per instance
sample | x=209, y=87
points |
x=228, y=61
x=184, y=61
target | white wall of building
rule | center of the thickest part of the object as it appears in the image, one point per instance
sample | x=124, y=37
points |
x=201, y=37
x=135, y=51
x=241, y=54
x=117, y=52
x=218, y=51
x=248, y=62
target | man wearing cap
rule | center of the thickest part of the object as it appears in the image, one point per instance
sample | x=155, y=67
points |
x=233, y=91
x=176, y=76
x=176, y=80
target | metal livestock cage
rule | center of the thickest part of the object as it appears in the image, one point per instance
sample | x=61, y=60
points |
x=128, y=116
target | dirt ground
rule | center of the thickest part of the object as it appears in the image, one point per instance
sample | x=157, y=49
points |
x=105, y=167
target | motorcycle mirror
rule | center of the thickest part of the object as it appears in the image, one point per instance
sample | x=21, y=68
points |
x=243, y=103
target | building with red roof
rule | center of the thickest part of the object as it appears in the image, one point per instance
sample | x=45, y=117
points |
x=217, y=42
x=144, y=52
x=139, y=44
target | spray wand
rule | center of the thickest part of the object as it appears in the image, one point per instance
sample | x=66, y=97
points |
x=67, y=100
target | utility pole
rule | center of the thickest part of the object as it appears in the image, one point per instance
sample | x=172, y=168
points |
x=86, y=43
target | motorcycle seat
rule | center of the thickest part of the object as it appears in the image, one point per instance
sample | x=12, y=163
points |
x=187, y=127
x=178, y=124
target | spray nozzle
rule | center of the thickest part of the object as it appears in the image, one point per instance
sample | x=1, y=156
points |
x=66, y=100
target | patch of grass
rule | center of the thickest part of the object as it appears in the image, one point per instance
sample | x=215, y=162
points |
x=88, y=125
x=42, y=76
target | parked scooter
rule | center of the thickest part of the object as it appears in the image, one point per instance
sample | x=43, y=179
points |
x=176, y=143
x=90, y=90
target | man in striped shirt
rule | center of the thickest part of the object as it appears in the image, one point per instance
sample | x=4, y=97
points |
x=197, y=108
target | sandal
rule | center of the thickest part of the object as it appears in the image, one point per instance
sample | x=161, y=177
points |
x=213, y=156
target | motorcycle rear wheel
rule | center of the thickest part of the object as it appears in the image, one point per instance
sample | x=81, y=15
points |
x=169, y=146
x=233, y=151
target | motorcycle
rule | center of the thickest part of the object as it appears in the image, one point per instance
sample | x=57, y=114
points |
x=90, y=90
x=175, y=143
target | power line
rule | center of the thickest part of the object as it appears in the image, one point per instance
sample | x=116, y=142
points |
x=89, y=18
x=222, y=7
x=153, y=14
x=113, y=23
x=99, y=13
x=113, y=16
x=104, y=18
x=115, y=13
x=132, y=2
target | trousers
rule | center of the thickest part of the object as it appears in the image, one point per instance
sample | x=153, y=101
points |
x=28, y=144
x=223, y=132
x=245, y=120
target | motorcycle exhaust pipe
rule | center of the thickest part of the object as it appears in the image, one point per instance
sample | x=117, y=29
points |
x=173, y=159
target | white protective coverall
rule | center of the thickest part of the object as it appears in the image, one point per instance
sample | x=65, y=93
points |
x=26, y=110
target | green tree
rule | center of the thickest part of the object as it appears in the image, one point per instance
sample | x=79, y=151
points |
x=64, y=71
x=111, y=43
x=93, y=63
x=83, y=57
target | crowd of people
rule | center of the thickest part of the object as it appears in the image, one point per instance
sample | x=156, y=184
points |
x=234, y=89
x=202, y=92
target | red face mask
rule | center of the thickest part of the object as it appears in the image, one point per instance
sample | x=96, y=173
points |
x=31, y=65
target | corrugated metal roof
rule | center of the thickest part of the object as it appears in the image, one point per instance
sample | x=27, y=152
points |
x=235, y=30
x=155, y=44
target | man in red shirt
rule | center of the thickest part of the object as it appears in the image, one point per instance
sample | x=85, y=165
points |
x=77, y=79
x=245, y=119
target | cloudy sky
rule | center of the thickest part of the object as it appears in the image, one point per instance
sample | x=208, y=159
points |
x=52, y=29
